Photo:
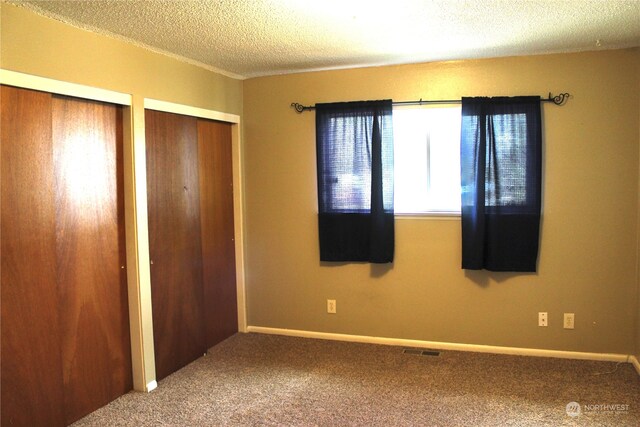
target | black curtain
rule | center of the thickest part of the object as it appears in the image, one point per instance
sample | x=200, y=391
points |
x=354, y=143
x=501, y=162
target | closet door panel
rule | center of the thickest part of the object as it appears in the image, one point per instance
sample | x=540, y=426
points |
x=174, y=240
x=92, y=289
x=31, y=364
x=216, y=216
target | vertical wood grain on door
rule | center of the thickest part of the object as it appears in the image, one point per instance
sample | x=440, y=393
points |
x=32, y=390
x=90, y=248
x=216, y=218
x=174, y=240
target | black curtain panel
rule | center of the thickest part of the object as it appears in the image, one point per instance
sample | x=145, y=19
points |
x=354, y=143
x=500, y=161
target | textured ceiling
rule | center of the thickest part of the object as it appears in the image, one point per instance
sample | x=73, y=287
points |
x=248, y=38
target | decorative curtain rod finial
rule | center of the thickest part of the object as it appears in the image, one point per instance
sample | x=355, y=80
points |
x=299, y=107
x=559, y=99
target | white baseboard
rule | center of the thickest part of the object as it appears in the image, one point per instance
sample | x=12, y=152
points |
x=609, y=357
x=636, y=364
x=152, y=386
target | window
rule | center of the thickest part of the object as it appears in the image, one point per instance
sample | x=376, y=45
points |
x=427, y=159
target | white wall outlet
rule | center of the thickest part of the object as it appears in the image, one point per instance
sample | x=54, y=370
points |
x=569, y=320
x=543, y=319
x=331, y=306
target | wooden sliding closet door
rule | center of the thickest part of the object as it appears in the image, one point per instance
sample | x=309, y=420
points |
x=191, y=236
x=174, y=240
x=32, y=393
x=216, y=217
x=92, y=288
x=65, y=323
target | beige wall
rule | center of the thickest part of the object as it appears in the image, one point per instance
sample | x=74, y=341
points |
x=637, y=353
x=589, y=239
x=44, y=47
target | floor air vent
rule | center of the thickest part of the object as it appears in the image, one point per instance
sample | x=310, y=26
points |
x=419, y=352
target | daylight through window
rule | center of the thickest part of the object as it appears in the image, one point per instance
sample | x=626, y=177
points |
x=427, y=159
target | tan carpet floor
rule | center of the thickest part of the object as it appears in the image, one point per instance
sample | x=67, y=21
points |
x=264, y=380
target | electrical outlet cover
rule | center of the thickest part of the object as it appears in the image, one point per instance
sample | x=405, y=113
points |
x=543, y=319
x=331, y=306
x=569, y=320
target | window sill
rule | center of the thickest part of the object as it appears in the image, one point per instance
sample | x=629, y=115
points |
x=429, y=215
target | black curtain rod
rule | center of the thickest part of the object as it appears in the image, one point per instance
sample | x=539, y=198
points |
x=558, y=100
